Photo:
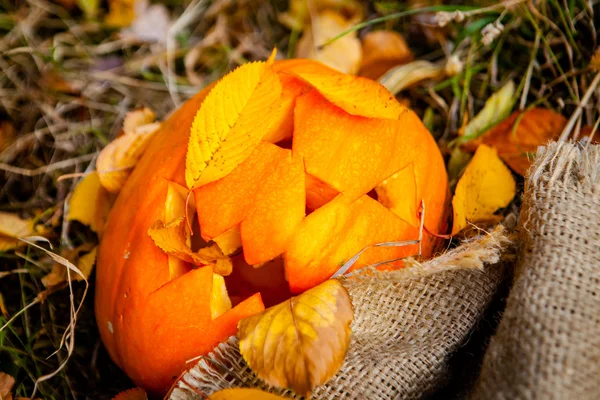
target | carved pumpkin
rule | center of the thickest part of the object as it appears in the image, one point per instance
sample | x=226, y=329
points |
x=349, y=169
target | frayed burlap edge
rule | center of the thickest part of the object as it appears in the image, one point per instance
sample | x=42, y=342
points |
x=434, y=285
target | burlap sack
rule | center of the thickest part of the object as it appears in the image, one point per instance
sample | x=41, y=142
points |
x=548, y=343
x=406, y=324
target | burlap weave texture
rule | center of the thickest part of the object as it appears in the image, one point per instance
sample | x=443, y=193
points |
x=548, y=343
x=406, y=325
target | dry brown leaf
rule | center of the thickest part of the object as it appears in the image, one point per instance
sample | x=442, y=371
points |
x=344, y=54
x=243, y=394
x=486, y=186
x=383, y=50
x=171, y=238
x=117, y=159
x=517, y=138
x=6, y=384
x=300, y=343
x=11, y=228
x=90, y=203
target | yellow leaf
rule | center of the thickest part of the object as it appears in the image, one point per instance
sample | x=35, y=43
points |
x=231, y=122
x=300, y=343
x=344, y=54
x=117, y=159
x=136, y=119
x=90, y=203
x=121, y=13
x=243, y=394
x=486, y=186
x=404, y=76
x=86, y=263
x=11, y=228
x=171, y=238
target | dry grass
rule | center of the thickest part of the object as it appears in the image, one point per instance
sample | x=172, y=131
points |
x=67, y=82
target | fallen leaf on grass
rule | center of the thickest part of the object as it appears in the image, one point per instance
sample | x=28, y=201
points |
x=231, y=122
x=150, y=23
x=171, y=238
x=117, y=159
x=121, y=13
x=90, y=203
x=83, y=257
x=300, y=343
x=299, y=11
x=517, y=138
x=404, y=76
x=383, y=50
x=344, y=54
x=242, y=394
x=11, y=228
x=496, y=109
x=486, y=186
x=6, y=384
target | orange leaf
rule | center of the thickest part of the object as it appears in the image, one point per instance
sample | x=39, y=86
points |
x=6, y=384
x=302, y=342
x=230, y=123
x=517, y=138
x=354, y=94
x=486, y=186
x=383, y=50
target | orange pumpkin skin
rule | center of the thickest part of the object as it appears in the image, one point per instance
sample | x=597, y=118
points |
x=151, y=326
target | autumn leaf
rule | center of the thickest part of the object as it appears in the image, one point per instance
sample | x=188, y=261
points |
x=300, y=343
x=243, y=394
x=344, y=54
x=83, y=256
x=121, y=13
x=404, y=76
x=517, y=138
x=86, y=263
x=231, y=122
x=117, y=159
x=11, y=228
x=171, y=238
x=6, y=384
x=298, y=15
x=486, y=186
x=383, y=50
x=90, y=203
x=495, y=110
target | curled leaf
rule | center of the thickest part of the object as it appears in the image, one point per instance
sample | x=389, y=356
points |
x=171, y=239
x=486, y=186
x=11, y=228
x=496, y=109
x=231, y=122
x=243, y=394
x=403, y=76
x=344, y=54
x=300, y=343
x=90, y=203
x=117, y=159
